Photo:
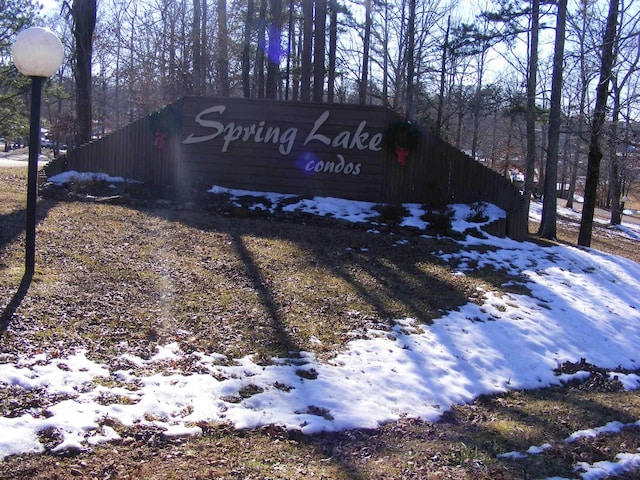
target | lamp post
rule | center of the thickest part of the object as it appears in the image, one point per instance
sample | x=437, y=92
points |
x=37, y=53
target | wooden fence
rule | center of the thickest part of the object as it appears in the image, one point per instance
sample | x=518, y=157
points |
x=195, y=143
x=129, y=152
x=437, y=173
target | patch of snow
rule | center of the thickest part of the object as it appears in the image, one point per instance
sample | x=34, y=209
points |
x=582, y=304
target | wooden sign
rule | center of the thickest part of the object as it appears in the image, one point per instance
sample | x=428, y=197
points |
x=307, y=149
x=301, y=148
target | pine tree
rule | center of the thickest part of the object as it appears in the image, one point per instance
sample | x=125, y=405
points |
x=15, y=16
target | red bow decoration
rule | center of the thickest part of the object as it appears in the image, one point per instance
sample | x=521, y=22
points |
x=159, y=141
x=402, y=153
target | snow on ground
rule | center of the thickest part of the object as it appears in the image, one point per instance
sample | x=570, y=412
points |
x=19, y=159
x=625, y=462
x=583, y=304
x=86, y=177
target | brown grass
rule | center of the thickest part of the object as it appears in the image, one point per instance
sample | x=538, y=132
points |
x=149, y=274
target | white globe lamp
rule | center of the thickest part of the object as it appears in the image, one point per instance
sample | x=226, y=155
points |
x=37, y=53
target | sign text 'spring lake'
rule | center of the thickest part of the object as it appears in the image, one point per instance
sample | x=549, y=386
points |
x=262, y=133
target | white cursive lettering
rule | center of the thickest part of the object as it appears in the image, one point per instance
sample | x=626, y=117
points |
x=320, y=166
x=261, y=132
x=207, y=123
x=316, y=126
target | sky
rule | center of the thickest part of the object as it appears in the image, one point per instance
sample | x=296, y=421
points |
x=582, y=304
x=50, y=6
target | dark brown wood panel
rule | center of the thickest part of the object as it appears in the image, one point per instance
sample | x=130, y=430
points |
x=308, y=149
x=314, y=148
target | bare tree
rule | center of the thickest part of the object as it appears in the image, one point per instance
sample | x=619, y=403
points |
x=274, y=49
x=83, y=15
x=550, y=202
x=364, y=76
x=579, y=25
x=627, y=53
x=223, y=49
x=443, y=79
x=532, y=79
x=475, y=41
x=260, y=51
x=597, y=123
x=246, y=50
x=319, y=50
x=385, y=53
x=411, y=51
x=333, y=46
x=307, y=46
x=198, y=67
x=291, y=47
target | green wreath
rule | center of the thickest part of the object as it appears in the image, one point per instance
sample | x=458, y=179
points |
x=163, y=123
x=402, y=137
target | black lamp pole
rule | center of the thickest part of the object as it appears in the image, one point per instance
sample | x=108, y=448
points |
x=32, y=175
x=38, y=54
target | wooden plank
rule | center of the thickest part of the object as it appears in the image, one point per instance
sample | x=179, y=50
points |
x=277, y=146
x=327, y=149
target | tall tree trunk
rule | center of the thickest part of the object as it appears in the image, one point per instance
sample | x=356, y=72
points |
x=460, y=116
x=246, y=51
x=131, y=77
x=274, y=49
x=223, y=49
x=197, y=48
x=411, y=45
x=295, y=89
x=103, y=114
x=385, y=60
x=443, y=78
x=550, y=201
x=319, y=50
x=574, y=174
x=615, y=178
x=479, y=102
x=614, y=161
x=186, y=80
x=532, y=76
x=83, y=13
x=364, y=77
x=116, y=88
x=204, y=51
x=172, y=47
x=307, y=46
x=400, y=60
x=566, y=161
x=540, y=157
x=595, y=152
x=581, y=106
x=291, y=47
x=477, y=105
x=333, y=46
x=507, y=157
x=260, y=51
